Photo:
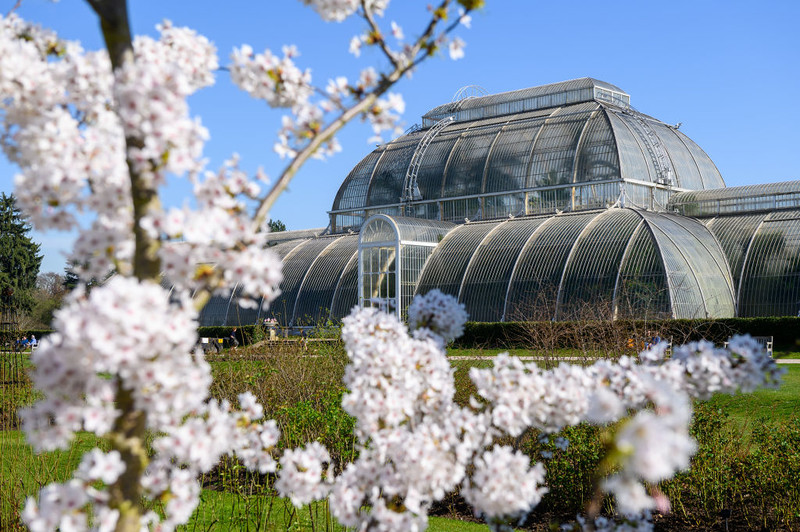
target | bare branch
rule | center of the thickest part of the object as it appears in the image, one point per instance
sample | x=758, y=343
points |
x=376, y=32
x=423, y=44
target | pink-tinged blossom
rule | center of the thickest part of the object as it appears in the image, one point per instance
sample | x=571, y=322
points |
x=338, y=10
x=98, y=465
x=355, y=45
x=464, y=19
x=277, y=81
x=397, y=31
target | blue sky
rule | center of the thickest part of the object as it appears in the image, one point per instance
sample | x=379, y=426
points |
x=728, y=70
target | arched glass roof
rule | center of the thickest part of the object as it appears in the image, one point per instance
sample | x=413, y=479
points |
x=599, y=264
x=731, y=200
x=763, y=250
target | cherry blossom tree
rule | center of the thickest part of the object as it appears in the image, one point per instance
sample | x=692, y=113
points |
x=103, y=131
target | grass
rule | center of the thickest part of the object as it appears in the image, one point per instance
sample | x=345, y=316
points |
x=569, y=354
x=778, y=355
x=221, y=511
x=300, y=392
x=22, y=472
x=781, y=405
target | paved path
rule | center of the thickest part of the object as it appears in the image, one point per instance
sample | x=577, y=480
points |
x=580, y=359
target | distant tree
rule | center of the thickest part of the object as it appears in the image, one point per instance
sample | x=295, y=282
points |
x=51, y=284
x=48, y=297
x=276, y=226
x=19, y=256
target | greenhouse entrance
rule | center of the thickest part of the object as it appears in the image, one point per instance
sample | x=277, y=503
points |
x=391, y=253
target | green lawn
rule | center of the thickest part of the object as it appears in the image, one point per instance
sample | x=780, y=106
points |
x=221, y=511
x=782, y=404
x=23, y=473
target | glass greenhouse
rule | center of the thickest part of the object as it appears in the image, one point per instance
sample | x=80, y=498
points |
x=550, y=203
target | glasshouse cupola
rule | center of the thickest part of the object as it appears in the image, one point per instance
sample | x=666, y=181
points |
x=568, y=146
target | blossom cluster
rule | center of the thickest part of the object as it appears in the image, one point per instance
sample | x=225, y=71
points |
x=80, y=132
x=130, y=332
x=654, y=442
x=439, y=313
x=66, y=120
x=416, y=444
x=338, y=10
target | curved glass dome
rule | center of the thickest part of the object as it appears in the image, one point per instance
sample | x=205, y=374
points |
x=601, y=264
x=567, y=146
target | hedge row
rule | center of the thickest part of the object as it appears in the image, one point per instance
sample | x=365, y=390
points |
x=784, y=330
x=570, y=334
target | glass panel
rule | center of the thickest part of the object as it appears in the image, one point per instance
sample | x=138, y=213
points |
x=686, y=173
x=549, y=201
x=346, y=295
x=461, y=210
x=554, y=152
x=412, y=260
x=215, y=311
x=598, y=159
x=486, y=280
x=708, y=170
x=238, y=315
x=503, y=206
x=634, y=164
x=379, y=277
x=705, y=259
x=771, y=280
x=467, y=162
x=430, y=176
x=534, y=283
x=378, y=230
x=386, y=186
x=510, y=157
x=734, y=234
x=687, y=299
x=446, y=266
x=315, y=297
x=295, y=268
x=591, y=271
x=414, y=230
x=353, y=192
x=642, y=291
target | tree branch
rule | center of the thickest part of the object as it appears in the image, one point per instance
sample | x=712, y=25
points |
x=387, y=81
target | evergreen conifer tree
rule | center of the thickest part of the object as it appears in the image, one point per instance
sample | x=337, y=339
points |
x=19, y=257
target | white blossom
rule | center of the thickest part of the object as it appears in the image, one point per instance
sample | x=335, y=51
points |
x=303, y=474
x=456, y=48
x=439, y=313
x=503, y=485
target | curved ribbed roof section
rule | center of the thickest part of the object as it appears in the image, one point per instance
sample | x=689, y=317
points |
x=599, y=265
x=763, y=250
x=382, y=228
x=582, y=142
x=320, y=282
x=732, y=200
